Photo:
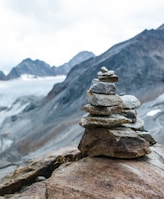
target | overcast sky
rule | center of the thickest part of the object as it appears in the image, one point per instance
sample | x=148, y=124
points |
x=56, y=30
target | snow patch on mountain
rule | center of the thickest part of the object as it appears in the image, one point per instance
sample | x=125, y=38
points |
x=24, y=86
x=21, y=95
x=153, y=112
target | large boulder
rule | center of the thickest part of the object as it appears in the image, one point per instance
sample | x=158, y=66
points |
x=100, y=177
x=117, y=142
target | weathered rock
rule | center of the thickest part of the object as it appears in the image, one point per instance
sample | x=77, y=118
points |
x=36, y=191
x=108, y=78
x=106, y=75
x=147, y=136
x=103, y=100
x=105, y=72
x=102, y=87
x=130, y=101
x=131, y=114
x=138, y=125
x=102, y=110
x=105, y=178
x=116, y=142
x=91, y=121
x=42, y=166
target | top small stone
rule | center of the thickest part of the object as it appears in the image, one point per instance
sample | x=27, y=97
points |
x=104, y=69
x=106, y=75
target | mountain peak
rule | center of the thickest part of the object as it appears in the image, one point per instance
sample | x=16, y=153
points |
x=80, y=57
x=28, y=66
x=161, y=27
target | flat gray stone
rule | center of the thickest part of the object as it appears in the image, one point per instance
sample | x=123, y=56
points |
x=116, y=142
x=90, y=121
x=130, y=101
x=102, y=110
x=108, y=78
x=138, y=125
x=102, y=87
x=130, y=113
x=106, y=73
x=147, y=136
x=103, y=100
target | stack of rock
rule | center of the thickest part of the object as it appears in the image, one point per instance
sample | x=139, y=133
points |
x=112, y=127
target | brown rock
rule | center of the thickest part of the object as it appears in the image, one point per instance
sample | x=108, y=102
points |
x=116, y=142
x=103, y=100
x=43, y=166
x=36, y=191
x=102, y=110
x=148, y=137
x=91, y=121
x=105, y=178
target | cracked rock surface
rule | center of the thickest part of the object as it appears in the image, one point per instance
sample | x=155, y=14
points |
x=101, y=177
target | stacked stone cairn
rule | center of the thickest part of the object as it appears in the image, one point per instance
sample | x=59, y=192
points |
x=112, y=127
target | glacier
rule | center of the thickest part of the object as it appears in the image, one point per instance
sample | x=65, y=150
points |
x=17, y=94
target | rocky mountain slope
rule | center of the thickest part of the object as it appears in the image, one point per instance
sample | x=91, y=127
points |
x=139, y=64
x=2, y=76
x=40, y=68
x=30, y=67
x=153, y=115
x=65, y=68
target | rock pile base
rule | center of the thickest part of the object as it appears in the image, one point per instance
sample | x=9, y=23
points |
x=112, y=127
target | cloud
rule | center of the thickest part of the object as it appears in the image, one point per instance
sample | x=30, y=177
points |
x=55, y=30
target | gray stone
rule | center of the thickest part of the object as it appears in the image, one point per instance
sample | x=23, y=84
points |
x=131, y=114
x=102, y=87
x=116, y=142
x=90, y=121
x=106, y=73
x=138, y=125
x=104, y=69
x=102, y=110
x=130, y=101
x=148, y=137
x=108, y=78
x=103, y=100
x=40, y=178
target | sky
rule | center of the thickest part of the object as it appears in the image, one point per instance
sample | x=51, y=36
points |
x=56, y=30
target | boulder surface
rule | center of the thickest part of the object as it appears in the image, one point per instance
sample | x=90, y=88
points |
x=102, y=177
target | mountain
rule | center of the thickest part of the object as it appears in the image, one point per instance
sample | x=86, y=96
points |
x=138, y=62
x=80, y=57
x=152, y=113
x=28, y=66
x=2, y=76
x=54, y=123
x=42, y=69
